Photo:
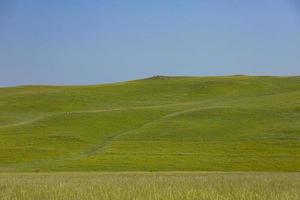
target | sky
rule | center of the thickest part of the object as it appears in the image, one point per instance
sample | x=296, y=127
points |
x=62, y=42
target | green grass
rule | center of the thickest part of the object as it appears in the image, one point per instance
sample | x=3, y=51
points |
x=150, y=186
x=236, y=123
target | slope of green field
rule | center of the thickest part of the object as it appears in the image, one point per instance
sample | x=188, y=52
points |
x=236, y=123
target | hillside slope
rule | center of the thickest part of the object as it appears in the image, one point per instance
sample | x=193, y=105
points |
x=237, y=123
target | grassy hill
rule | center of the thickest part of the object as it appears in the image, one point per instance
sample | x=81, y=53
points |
x=236, y=123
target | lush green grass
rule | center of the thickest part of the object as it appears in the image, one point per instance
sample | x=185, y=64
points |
x=236, y=123
x=150, y=186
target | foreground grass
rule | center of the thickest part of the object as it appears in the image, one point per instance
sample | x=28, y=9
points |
x=150, y=186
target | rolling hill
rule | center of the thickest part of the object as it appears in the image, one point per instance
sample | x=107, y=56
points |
x=234, y=123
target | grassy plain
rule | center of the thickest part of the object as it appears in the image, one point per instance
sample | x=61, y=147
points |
x=236, y=123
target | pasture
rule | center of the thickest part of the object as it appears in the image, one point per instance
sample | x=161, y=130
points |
x=236, y=123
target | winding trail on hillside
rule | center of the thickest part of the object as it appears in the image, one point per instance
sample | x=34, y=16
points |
x=106, y=143
x=196, y=103
x=46, y=116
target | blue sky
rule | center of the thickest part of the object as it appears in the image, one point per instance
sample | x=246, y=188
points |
x=99, y=41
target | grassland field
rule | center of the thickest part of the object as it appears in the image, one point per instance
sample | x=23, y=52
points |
x=234, y=123
x=228, y=138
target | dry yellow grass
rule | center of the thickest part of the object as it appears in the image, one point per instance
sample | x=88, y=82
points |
x=150, y=186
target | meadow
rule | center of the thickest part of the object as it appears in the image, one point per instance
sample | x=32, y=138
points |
x=234, y=123
x=168, y=138
x=150, y=186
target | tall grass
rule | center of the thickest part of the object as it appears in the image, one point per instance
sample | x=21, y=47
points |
x=150, y=186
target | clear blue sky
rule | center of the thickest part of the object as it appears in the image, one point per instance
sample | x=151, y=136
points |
x=97, y=41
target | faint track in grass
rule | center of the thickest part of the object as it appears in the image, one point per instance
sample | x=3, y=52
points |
x=106, y=143
x=101, y=148
x=43, y=117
